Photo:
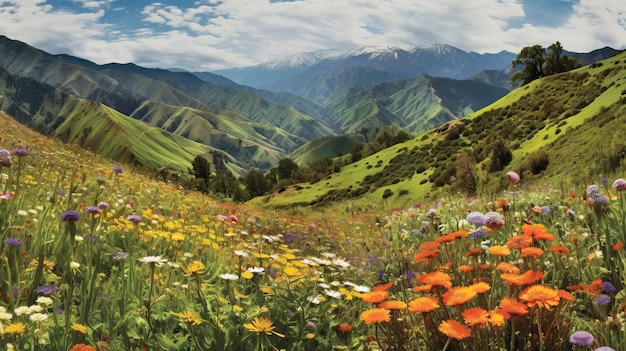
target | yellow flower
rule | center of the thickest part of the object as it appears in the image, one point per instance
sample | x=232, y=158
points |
x=262, y=325
x=309, y=336
x=188, y=317
x=79, y=328
x=195, y=267
x=15, y=328
x=247, y=275
x=237, y=308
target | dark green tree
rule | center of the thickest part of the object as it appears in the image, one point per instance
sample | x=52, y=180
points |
x=286, y=168
x=539, y=62
x=202, y=172
x=255, y=183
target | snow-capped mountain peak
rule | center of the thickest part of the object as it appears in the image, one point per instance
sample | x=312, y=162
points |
x=302, y=59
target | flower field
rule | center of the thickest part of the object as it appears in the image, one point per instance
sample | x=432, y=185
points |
x=98, y=256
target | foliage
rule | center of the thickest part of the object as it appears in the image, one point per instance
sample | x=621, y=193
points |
x=539, y=62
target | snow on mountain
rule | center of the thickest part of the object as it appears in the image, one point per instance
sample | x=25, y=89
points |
x=302, y=59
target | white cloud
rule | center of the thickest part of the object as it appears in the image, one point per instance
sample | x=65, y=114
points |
x=209, y=35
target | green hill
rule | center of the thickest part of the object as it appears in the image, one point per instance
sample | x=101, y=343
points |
x=573, y=122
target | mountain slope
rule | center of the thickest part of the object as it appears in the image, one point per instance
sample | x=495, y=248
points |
x=572, y=123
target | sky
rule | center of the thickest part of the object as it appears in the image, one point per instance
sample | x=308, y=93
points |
x=207, y=35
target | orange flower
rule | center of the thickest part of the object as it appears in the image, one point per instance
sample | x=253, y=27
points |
x=429, y=254
x=533, y=252
x=559, y=249
x=541, y=296
x=594, y=288
x=503, y=203
x=474, y=252
x=475, y=316
x=454, y=329
x=480, y=287
x=382, y=287
x=519, y=242
x=507, y=268
x=512, y=306
x=344, y=328
x=529, y=277
x=465, y=268
x=565, y=295
x=499, y=250
x=422, y=288
x=537, y=231
x=392, y=305
x=82, y=347
x=375, y=296
x=436, y=279
x=423, y=304
x=618, y=246
x=497, y=318
x=428, y=246
x=375, y=315
x=458, y=296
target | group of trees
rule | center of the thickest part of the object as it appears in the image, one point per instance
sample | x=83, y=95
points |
x=540, y=62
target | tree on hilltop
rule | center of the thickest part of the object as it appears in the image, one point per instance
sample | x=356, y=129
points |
x=539, y=62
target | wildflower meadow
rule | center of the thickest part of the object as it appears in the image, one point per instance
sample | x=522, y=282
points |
x=101, y=256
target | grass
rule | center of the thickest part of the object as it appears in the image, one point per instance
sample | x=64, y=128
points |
x=98, y=256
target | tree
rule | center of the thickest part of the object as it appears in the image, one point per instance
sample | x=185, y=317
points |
x=533, y=59
x=286, y=168
x=202, y=172
x=539, y=62
x=255, y=183
x=466, y=177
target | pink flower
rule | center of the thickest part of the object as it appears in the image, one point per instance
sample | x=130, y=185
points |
x=6, y=196
x=513, y=177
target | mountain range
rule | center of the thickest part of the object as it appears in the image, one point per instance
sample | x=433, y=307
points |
x=164, y=118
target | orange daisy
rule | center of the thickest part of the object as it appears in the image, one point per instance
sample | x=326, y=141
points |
x=428, y=246
x=497, y=318
x=375, y=296
x=382, y=287
x=454, y=329
x=519, y=242
x=423, y=304
x=533, y=252
x=507, y=268
x=499, y=250
x=480, y=287
x=537, y=231
x=559, y=249
x=436, y=279
x=392, y=305
x=465, y=268
x=527, y=278
x=565, y=295
x=375, y=315
x=541, y=296
x=474, y=252
x=422, y=288
x=428, y=254
x=475, y=316
x=512, y=306
x=458, y=296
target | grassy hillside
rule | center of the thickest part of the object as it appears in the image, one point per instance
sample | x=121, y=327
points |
x=573, y=122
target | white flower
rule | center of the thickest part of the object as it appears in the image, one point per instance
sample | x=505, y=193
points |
x=308, y=262
x=44, y=300
x=34, y=309
x=21, y=310
x=341, y=263
x=78, y=238
x=240, y=253
x=22, y=213
x=38, y=317
x=328, y=254
x=5, y=316
x=229, y=276
x=361, y=288
x=259, y=270
x=314, y=299
x=332, y=293
x=74, y=265
x=158, y=260
x=324, y=286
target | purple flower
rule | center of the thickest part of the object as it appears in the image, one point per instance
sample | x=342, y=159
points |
x=425, y=225
x=601, y=300
x=601, y=199
x=569, y=213
x=513, y=177
x=134, y=218
x=5, y=158
x=604, y=348
x=15, y=242
x=431, y=213
x=619, y=184
x=581, y=338
x=70, y=216
x=593, y=191
x=92, y=209
x=493, y=220
x=61, y=192
x=608, y=287
x=103, y=205
x=20, y=152
x=118, y=256
x=479, y=233
x=47, y=290
x=117, y=169
x=545, y=209
x=476, y=218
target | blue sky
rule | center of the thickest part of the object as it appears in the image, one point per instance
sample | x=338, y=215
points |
x=207, y=35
